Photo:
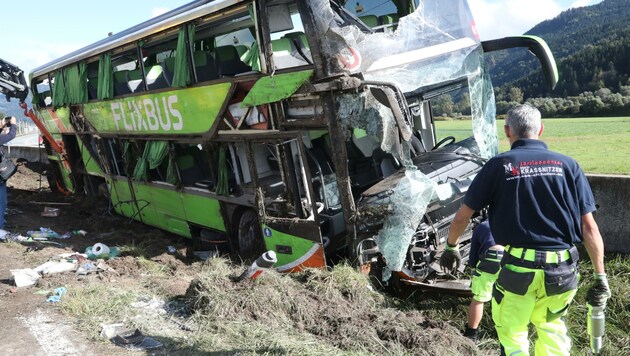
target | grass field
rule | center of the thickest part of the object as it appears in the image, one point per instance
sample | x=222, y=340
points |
x=600, y=145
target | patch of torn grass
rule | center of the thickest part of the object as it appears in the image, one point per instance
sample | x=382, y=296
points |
x=153, y=268
x=311, y=312
x=95, y=304
x=135, y=248
x=12, y=245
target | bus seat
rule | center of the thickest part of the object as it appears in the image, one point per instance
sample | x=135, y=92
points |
x=369, y=20
x=120, y=83
x=204, y=66
x=364, y=142
x=228, y=61
x=156, y=78
x=93, y=88
x=285, y=54
x=301, y=43
x=134, y=80
x=389, y=20
x=168, y=69
x=241, y=49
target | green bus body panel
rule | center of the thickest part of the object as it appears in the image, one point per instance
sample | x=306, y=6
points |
x=203, y=211
x=58, y=124
x=121, y=197
x=275, y=88
x=89, y=162
x=181, y=111
x=299, y=246
x=165, y=208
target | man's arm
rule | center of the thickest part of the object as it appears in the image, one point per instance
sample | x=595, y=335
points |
x=459, y=224
x=4, y=138
x=593, y=242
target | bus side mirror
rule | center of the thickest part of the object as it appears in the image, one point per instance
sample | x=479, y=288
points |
x=536, y=45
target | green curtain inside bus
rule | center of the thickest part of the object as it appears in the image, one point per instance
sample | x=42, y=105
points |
x=59, y=89
x=76, y=84
x=154, y=154
x=181, y=75
x=252, y=57
x=35, y=99
x=105, y=80
x=222, y=182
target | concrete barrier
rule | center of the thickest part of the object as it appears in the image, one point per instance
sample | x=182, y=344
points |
x=612, y=196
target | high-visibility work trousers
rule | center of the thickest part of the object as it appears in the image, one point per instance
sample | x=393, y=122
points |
x=486, y=274
x=538, y=294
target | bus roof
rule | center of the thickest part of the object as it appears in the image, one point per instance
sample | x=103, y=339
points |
x=174, y=17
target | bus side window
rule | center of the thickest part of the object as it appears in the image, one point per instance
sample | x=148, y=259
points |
x=159, y=59
x=193, y=167
x=92, y=77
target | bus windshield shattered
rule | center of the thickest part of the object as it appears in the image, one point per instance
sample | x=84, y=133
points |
x=432, y=51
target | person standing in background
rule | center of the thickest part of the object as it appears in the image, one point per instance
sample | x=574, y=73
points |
x=485, y=257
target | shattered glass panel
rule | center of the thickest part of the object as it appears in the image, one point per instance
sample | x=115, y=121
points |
x=435, y=45
x=409, y=202
x=331, y=192
x=365, y=112
x=483, y=113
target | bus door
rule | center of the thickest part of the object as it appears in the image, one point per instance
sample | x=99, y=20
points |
x=288, y=211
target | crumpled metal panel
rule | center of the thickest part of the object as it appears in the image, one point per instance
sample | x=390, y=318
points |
x=434, y=45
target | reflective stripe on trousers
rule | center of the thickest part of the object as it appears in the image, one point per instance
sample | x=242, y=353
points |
x=541, y=295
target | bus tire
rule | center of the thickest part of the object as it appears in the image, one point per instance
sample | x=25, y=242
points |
x=250, y=242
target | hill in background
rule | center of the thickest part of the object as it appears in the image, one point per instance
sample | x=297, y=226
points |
x=591, y=46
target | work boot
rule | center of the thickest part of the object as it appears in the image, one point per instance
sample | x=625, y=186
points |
x=472, y=334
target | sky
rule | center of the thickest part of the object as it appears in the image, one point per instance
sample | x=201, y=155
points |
x=45, y=30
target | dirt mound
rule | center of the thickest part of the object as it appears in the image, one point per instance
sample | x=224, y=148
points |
x=338, y=307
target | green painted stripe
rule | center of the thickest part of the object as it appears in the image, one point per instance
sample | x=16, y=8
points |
x=181, y=111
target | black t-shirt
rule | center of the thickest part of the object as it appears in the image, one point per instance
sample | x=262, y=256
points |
x=536, y=197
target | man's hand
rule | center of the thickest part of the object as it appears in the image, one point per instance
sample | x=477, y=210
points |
x=450, y=257
x=13, y=120
x=599, y=292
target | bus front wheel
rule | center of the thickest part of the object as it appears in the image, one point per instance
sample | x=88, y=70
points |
x=250, y=241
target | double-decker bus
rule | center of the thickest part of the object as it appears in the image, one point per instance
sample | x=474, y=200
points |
x=303, y=127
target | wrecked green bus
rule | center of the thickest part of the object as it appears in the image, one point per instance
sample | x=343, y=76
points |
x=302, y=127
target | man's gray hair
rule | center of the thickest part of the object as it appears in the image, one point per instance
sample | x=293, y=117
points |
x=524, y=121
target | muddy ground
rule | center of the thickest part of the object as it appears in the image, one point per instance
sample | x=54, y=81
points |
x=33, y=326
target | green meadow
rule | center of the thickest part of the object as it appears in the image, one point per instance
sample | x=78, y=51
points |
x=600, y=145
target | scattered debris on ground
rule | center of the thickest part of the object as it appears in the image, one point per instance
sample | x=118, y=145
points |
x=125, y=286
